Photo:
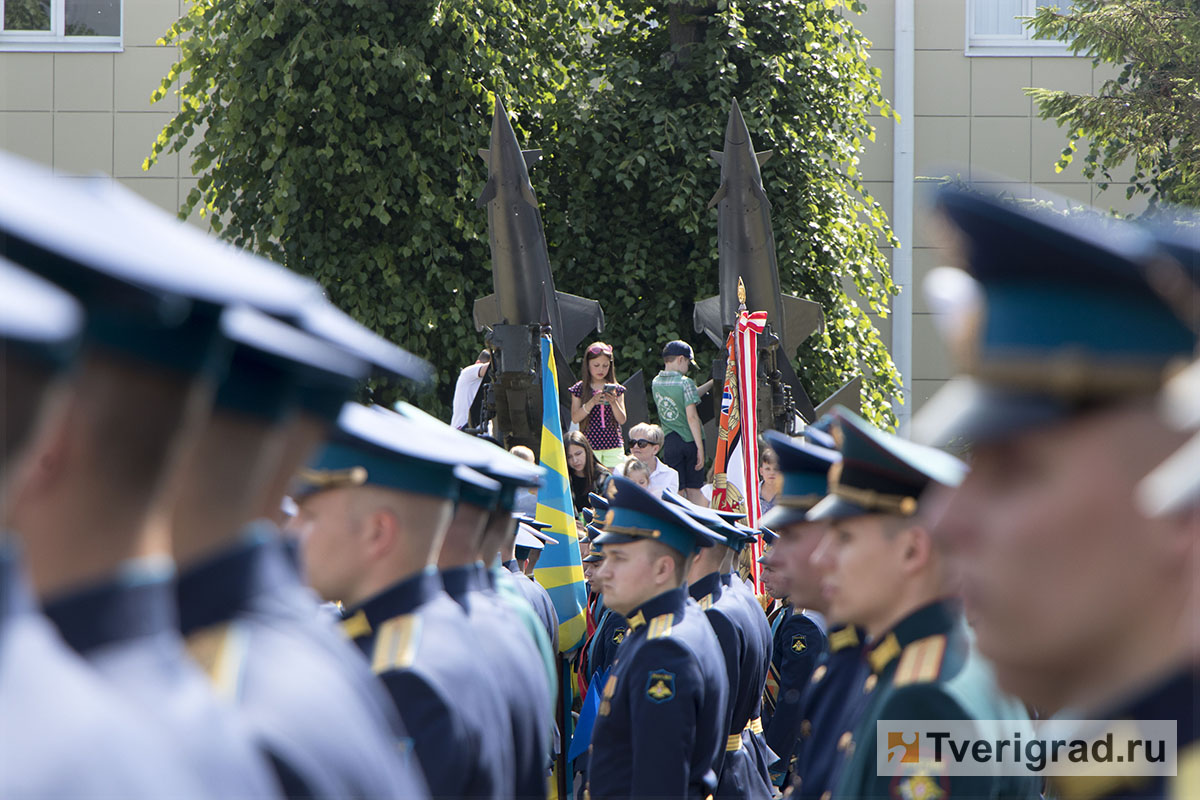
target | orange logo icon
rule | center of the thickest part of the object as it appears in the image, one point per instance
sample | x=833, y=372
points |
x=905, y=746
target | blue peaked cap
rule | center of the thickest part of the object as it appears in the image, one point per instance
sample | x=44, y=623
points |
x=805, y=470
x=1048, y=316
x=39, y=323
x=635, y=514
x=714, y=520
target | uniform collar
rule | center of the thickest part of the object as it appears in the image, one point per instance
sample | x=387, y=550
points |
x=220, y=588
x=136, y=602
x=709, y=586
x=484, y=580
x=400, y=598
x=458, y=581
x=939, y=617
x=15, y=598
x=672, y=601
x=513, y=566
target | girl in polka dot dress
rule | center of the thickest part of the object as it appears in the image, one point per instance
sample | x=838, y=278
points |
x=598, y=405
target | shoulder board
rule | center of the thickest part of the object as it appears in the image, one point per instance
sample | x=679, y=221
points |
x=843, y=638
x=921, y=661
x=706, y=602
x=396, y=643
x=221, y=652
x=660, y=626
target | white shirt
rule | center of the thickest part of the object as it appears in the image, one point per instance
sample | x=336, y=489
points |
x=663, y=479
x=465, y=389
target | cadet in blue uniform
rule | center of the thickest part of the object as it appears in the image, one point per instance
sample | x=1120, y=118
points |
x=241, y=604
x=745, y=664
x=884, y=571
x=533, y=592
x=660, y=730
x=55, y=711
x=1066, y=577
x=104, y=476
x=380, y=495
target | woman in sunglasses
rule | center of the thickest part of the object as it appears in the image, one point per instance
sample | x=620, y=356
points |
x=598, y=405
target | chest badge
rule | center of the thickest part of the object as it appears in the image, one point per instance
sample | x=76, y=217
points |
x=799, y=643
x=660, y=686
x=619, y=636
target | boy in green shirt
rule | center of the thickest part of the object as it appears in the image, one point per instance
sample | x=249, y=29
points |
x=676, y=397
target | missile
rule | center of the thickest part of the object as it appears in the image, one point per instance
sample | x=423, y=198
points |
x=746, y=246
x=524, y=286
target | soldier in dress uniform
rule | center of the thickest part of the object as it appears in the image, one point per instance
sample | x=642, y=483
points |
x=884, y=572
x=242, y=607
x=1063, y=341
x=55, y=710
x=745, y=662
x=611, y=629
x=660, y=729
x=375, y=506
x=799, y=630
x=533, y=592
x=104, y=476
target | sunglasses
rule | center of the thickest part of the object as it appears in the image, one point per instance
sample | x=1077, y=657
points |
x=597, y=349
x=641, y=443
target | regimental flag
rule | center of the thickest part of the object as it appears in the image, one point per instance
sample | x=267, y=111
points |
x=559, y=569
x=729, y=474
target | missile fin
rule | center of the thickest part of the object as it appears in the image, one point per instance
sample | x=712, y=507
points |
x=527, y=193
x=720, y=195
x=764, y=156
x=486, y=312
x=489, y=194
x=849, y=395
x=717, y=156
x=801, y=318
x=706, y=319
x=580, y=317
x=486, y=155
x=531, y=156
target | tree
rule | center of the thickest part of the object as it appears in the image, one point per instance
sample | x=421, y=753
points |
x=1149, y=115
x=340, y=139
x=630, y=176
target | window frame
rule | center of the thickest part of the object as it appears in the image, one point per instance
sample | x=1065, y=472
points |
x=56, y=40
x=1010, y=46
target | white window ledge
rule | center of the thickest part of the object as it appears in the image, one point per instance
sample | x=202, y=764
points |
x=80, y=44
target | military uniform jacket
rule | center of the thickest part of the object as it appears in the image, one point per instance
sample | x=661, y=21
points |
x=510, y=663
x=610, y=633
x=126, y=629
x=65, y=733
x=925, y=668
x=834, y=695
x=416, y=639
x=539, y=598
x=305, y=692
x=759, y=637
x=738, y=776
x=798, y=643
x=660, y=729
x=1176, y=697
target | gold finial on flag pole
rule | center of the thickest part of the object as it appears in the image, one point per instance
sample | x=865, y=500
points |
x=741, y=295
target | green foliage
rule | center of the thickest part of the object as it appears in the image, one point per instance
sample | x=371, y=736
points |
x=630, y=176
x=1149, y=115
x=339, y=138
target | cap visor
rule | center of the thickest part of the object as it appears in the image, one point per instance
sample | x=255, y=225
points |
x=965, y=412
x=779, y=516
x=525, y=538
x=833, y=507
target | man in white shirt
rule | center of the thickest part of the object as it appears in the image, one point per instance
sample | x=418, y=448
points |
x=467, y=387
x=645, y=440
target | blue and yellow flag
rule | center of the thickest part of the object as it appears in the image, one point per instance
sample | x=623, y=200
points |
x=559, y=569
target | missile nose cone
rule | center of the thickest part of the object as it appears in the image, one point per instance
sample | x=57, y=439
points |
x=736, y=131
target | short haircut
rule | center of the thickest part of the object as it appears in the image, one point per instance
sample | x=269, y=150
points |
x=485, y=357
x=647, y=430
x=24, y=389
x=524, y=453
x=658, y=550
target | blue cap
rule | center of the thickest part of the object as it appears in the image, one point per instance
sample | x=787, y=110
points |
x=476, y=489
x=710, y=518
x=635, y=514
x=39, y=322
x=880, y=473
x=768, y=536
x=387, y=360
x=1056, y=316
x=819, y=433
x=536, y=526
x=271, y=360
x=588, y=515
x=678, y=347
x=805, y=471
x=372, y=449
x=529, y=537
x=598, y=503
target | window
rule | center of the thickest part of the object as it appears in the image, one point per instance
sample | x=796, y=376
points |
x=994, y=28
x=59, y=25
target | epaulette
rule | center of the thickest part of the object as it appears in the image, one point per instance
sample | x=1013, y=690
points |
x=221, y=650
x=660, y=626
x=843, y=638
x=921, y=661
x=396, y=643
x=706, y=602
x=357, y=626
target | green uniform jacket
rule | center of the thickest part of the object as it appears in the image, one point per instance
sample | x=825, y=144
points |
x=926, y=668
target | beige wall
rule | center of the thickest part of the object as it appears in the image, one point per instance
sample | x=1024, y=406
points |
x=971, y=119
x=91, y=112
